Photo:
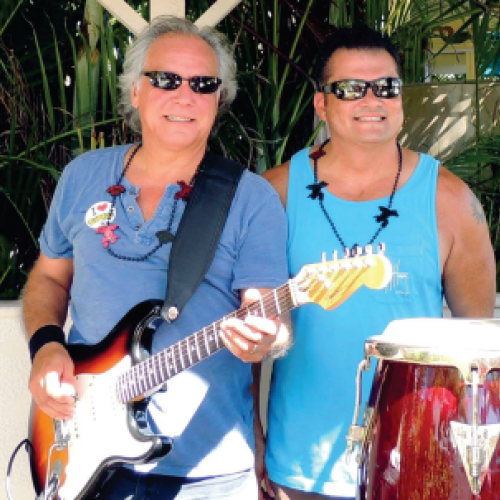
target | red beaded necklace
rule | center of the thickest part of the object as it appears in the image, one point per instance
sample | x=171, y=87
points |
x=164, y=236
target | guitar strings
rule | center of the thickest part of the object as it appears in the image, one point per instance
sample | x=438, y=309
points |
x=159, y=363
x=167, y=360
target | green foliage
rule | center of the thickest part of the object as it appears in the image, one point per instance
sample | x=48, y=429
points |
x=275, y=44
x=478, y=164
x=58, y=93
x=40, y=133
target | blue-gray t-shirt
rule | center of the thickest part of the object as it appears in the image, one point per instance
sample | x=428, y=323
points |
x=208, y=409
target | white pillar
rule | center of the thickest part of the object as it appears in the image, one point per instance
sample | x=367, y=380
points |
x=135, y=23
x=167, y=7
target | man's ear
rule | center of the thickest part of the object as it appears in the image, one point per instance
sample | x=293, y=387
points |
x=134, y=95
x=319, y=102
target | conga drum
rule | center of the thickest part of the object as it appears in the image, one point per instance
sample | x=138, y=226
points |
x=431, y=426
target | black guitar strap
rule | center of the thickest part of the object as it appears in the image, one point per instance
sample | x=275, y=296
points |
x=199, y=230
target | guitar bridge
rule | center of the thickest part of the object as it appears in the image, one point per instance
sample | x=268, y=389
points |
x=62, y=434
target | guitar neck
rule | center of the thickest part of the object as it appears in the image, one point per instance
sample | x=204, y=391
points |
x=147, y=376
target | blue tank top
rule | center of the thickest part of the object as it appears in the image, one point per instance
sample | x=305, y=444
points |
x=312, y=395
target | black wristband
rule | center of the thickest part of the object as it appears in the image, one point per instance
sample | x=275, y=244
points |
x=45, y=335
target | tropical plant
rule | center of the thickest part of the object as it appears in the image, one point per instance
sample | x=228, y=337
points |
x=478, y=164
x=275, y=43
x=58, y=87
x=41, y=131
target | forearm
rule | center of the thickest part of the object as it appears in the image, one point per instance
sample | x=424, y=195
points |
x=45, y=302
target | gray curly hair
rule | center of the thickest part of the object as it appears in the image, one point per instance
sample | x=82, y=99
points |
x=136, y=57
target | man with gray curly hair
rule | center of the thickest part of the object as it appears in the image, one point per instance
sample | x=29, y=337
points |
x=106, y=244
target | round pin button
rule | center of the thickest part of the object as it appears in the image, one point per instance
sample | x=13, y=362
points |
x=172, y=313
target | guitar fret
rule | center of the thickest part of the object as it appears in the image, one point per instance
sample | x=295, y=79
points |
x=207, y=345
x=178, y=358
x=196, y=340
x=188, y=345
x=143, y=379
x=161, y=368
x=193, y=342
x=185, y=353
x=145, y=374
x=166, y=363
x=119, y=389
x=157, y=371
x=277, y=302
x=173, y=359
x=150, y=372
x=181, y=357
x=216, y=334
x=125, y=392
x=138, y=378
x=262, y=308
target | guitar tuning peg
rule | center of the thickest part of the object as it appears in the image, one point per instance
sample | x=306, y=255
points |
x=381, y=248
x=346, y=264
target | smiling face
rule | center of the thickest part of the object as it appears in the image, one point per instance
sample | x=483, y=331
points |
x=180, y=118
x=367, y=120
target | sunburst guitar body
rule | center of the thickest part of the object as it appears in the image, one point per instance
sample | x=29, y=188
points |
x=114, y=379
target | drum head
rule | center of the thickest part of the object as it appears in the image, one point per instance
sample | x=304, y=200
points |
x=463, y=343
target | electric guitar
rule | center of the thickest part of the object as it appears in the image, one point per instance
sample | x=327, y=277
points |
x=114, y=378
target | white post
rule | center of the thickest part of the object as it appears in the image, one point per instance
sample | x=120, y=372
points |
x=163, y=7
x=135, y=23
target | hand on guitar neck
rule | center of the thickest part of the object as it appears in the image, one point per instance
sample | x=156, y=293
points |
x=253, y=338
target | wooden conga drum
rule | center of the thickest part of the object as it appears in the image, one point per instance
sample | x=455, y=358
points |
x=432, y=423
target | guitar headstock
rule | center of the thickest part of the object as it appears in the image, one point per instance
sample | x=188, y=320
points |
x=329, y=283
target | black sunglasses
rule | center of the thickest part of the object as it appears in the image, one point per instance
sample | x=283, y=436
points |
x=351, y=90
x=166, y=80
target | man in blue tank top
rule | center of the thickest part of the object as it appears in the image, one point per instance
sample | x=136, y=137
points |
x=361, y=188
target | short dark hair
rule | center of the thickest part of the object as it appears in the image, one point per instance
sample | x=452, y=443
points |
x=358, y=37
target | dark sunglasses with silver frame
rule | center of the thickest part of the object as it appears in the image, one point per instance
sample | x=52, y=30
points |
x=351, y=90
x=167, y=80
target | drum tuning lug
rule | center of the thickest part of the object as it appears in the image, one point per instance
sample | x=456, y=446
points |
x=368, y=250
x=347, y=253
x=381, y=248
x=356, y=435
x=476, y=443
x=335, y=255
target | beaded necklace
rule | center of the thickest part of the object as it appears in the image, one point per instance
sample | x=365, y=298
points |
x=317, y=193
x=165, y=236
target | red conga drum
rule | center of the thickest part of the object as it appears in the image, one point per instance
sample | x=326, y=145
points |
x=432, y=423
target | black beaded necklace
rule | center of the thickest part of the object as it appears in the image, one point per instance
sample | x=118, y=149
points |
x=164, y=236
x=317, y=193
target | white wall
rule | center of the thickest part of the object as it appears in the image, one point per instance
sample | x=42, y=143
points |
x=15, y=399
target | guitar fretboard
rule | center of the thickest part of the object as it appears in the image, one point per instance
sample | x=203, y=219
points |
x=148, y=375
